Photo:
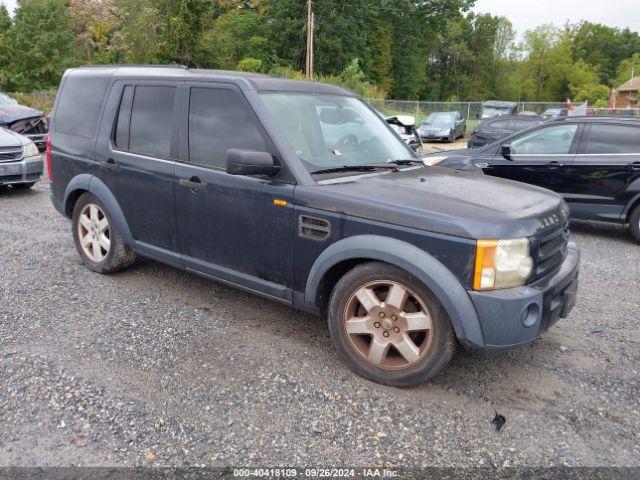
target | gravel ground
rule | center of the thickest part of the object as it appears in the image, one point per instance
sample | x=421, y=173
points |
x=154, y=366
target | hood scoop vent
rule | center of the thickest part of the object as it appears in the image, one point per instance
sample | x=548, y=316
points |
x=313, y=228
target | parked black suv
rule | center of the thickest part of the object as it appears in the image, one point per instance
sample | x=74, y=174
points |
x=493, y=129
x=232, y=176
x=594, y=162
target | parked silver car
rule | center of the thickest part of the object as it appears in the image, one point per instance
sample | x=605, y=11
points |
x=20, y=163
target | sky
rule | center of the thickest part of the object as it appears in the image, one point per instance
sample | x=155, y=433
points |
x=527, y=14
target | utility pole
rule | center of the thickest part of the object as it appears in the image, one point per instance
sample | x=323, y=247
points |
x=310, y=27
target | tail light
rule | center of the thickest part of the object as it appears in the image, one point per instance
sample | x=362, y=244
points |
x=49, y=166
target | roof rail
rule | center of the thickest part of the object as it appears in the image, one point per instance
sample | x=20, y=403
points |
x=124, y=65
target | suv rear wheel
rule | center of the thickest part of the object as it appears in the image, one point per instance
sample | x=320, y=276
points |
x=388, y=327
x=97, y=239
x=634, y=223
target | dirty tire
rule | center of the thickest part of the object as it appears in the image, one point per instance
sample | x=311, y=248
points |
x=23, y=186
x=360, y=350
x=119, y=255
x=634, y=223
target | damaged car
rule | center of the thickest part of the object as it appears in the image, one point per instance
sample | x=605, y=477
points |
x=20, y=163
x=24, y=120
x=405, y=126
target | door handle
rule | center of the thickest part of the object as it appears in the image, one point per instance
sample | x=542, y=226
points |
x=553, y=165
x=109, y=164
x=635, y=165
x=194, y=183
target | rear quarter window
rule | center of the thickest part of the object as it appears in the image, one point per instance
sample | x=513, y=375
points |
x=608, y=139
x=78, y=109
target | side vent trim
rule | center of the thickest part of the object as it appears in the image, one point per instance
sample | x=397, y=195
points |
x=313, y=228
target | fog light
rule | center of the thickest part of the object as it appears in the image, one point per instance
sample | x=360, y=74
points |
x=530, y=315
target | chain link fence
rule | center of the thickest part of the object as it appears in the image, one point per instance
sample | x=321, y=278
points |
x=42, y=101
x=471, y=110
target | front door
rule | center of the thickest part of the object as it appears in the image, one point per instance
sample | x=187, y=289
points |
x=541, y=157
x=234, y=228
x=607, y=162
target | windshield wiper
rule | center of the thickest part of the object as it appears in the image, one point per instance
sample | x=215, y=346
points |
x=407, y=162
x=354, y=168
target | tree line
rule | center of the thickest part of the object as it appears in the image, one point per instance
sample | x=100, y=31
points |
x=401, y=49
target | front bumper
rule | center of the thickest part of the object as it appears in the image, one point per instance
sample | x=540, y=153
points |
x=27, y=170
x=516, y=316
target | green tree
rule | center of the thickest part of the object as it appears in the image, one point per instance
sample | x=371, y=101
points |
x=138, y=35
x=232, y=37
x=5, y=28
x=604, y=47
x=544, y=74
x=626, y=68
x=41, y=45
x=182, y=24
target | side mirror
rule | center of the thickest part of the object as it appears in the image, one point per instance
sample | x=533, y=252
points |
x=505, y=150
x=250, y=163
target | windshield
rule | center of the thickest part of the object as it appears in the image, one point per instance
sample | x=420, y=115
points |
x=441, y=119
x=329, y=131
x=7, y=100
x=490, y=112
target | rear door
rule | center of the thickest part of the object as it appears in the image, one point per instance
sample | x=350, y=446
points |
x=238, y=229
x=540, y=157
x=137, y=162
x=607, y=162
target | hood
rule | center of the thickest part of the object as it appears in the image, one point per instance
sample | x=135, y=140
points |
x=11, y=139
x=402, y=120
x=439, y=200
x=13, y=113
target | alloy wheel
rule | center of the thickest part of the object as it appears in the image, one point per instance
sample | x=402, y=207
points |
x=94, y=233
x=388, y=324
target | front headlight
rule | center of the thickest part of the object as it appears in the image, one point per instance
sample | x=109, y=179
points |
x=502, y=264
x=30, y=150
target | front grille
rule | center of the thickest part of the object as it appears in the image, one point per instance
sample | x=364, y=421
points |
x=10, y=178
x=8, y=154
x=551, y=250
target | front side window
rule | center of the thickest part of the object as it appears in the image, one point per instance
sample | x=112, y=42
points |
x=329, y=131
x=608, y=139
x=219, y=119
x=547, y=141
x=151, y=121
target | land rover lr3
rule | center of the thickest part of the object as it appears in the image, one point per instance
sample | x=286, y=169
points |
x=300, y=192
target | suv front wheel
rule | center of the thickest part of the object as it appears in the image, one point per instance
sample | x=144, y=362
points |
x=389, y=327
x=97, y=239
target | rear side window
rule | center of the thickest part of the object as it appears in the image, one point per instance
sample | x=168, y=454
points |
x=613, y=139
x=219, y=119
x=151, y=121
x=79, y=105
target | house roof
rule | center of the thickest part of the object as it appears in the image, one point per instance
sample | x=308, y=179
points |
x=632, y=85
